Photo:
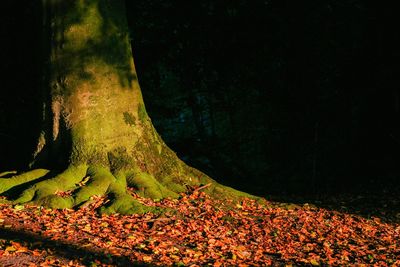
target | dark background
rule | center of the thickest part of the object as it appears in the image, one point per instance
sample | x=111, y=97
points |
x=272, y=97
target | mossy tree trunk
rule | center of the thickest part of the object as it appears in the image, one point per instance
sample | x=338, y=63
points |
x=95, y=124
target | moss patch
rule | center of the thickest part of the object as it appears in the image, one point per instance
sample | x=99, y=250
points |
x=119, y=159
x=99, y=181
x=126, y=204
x=142, y=112
x=8, y=183
x=148, y=186
x=129, y=119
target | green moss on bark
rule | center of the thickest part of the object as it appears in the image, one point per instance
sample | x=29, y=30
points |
x=129, y=119
x=99, y=180
x=148, y=186
x=142, y=112
x=8, y=183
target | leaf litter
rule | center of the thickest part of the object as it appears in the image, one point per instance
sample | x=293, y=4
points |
x=195, y=231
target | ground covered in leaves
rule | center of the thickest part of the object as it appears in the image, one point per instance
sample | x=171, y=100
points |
x=197, y=231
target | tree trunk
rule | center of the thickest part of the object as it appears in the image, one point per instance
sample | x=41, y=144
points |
x=95, y=124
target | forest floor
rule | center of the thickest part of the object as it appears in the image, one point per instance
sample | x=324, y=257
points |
x=200, y=232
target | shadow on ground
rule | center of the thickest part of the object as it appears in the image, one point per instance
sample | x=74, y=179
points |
x=385, y=207
x=60, y=249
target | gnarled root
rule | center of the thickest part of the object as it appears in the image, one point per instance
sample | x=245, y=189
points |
x=17, y=180
x=77, y=185
x=46, y=192
x=2, y=174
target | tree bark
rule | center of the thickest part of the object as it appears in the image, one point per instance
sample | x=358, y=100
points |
x=95, y=124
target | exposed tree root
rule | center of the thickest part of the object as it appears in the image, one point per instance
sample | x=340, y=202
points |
x=2, y=174
x=8, y=183
x=77, y=185
x=45, y=192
